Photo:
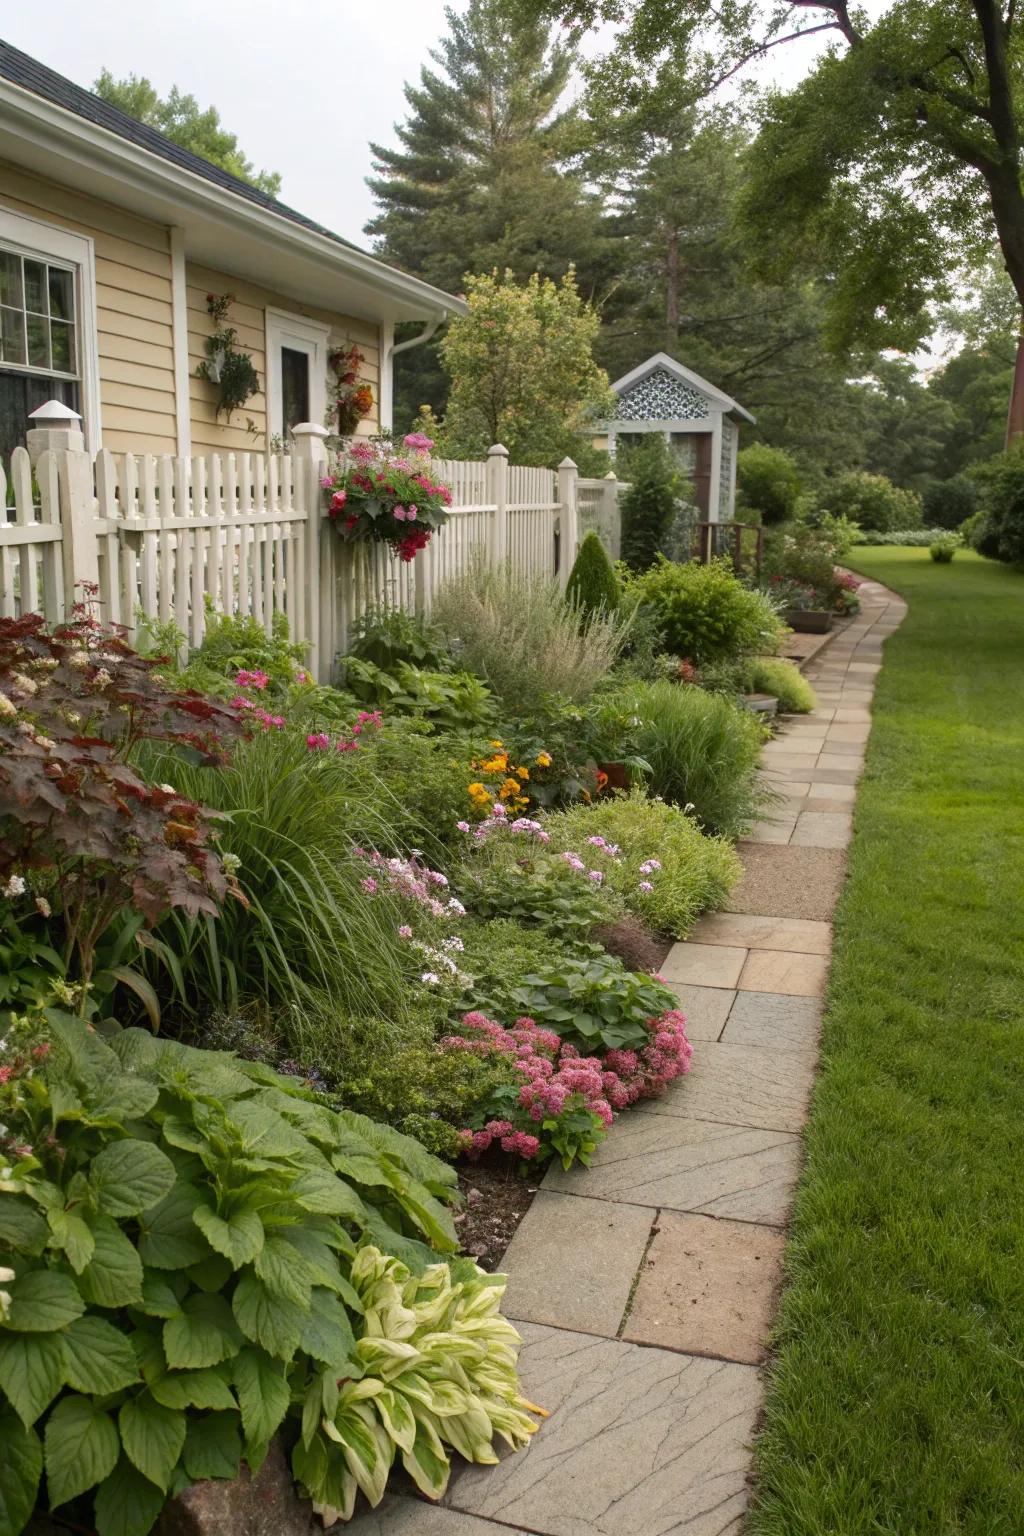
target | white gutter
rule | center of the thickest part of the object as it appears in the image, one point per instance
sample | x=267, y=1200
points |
x=62, y=132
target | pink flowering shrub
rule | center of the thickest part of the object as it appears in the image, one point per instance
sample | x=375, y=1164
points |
x=425, y=894
x=555, y=1103
x=561, y=1103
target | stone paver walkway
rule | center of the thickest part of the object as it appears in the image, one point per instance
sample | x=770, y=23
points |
x=645, y=1286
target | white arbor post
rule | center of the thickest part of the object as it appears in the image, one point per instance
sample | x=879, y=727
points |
x=309, y=457
x=569, y=535
x=497, y=496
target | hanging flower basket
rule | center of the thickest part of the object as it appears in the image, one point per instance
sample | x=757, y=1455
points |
x=387, y=498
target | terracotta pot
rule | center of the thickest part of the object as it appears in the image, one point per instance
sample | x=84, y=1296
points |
x=809, y=621
x=618, y=775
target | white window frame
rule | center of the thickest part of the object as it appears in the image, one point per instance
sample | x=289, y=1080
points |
x=299, y=334
x=36, y=238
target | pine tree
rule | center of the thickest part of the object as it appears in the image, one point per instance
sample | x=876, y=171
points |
x=481, y=177
x=485, y=176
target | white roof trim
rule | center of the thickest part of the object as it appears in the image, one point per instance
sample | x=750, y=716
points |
x=685, y=375
x=49, y=126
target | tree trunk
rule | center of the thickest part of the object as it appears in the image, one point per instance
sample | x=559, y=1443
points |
x=672, y=291
x=1015, y=415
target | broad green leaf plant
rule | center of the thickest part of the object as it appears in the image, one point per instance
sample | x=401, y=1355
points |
x=196, y=1255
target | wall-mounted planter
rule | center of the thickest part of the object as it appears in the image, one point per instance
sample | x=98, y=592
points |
x=809, y=621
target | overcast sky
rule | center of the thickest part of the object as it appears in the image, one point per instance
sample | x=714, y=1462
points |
x=304, y=84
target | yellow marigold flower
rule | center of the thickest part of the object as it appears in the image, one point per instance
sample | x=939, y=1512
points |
x=523, y=773
x=479, y=792
x=497, y=743
x=543, y=759
x=510, y=787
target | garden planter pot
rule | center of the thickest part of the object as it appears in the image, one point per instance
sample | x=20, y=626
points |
x=617, y=774
x=809, y=621
x=761, y=704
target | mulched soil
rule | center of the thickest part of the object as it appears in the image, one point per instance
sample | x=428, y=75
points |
x=496, y=1200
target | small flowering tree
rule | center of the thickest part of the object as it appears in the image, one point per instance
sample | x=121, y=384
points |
x=388, y=498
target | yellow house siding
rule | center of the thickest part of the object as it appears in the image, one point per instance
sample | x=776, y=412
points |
x=248, y=317
x=133, y=297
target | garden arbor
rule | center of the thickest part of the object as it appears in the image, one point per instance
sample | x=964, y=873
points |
x=700, y=422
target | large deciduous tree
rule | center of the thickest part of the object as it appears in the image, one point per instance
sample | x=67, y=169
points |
x=897, y=156
x=180, y=118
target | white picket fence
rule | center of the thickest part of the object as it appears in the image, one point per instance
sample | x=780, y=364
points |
x=173, y=538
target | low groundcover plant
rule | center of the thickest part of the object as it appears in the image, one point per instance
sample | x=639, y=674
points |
x=199, y=1256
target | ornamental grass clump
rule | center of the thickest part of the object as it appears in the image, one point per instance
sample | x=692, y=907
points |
x=783, y=680
x=519, y=634
x=703, y=751
x=666, y=871
x=292, y=814
x=200, y=1257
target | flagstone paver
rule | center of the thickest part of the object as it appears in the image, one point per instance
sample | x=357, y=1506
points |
x=779, y=970
x=691, y=1165
x=737, y=1086
x=641, y=1442
x=774, y=1020
x=760, y=932
x=645, y=1285
x=573, y=1262
x=708, y=1287
x=706, y=1008
x=709, y=965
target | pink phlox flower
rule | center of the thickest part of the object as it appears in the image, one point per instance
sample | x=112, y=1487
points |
x=596, y=875
x=597, y=842
x=418, y=441
x=369, y=885
x=645, y=886
x=462, y=826
x=411, y=514
x=498, y=811
x=399, y=514
x=318, y=741
x=649, y=866
x=436, y=878
x=574, y=861
x=254, y=679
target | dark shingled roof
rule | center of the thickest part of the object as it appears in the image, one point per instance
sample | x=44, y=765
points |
x=32, y=76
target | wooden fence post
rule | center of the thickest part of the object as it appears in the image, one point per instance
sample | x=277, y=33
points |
x=568, y=533
x=497, y=496
x=309, y=462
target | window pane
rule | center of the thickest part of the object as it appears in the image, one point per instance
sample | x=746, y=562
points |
x=63, y=340
x=294, y=387
x=35, y=287
x=62, y=295
x=38, y=340
x=12, y=336
x=10, y=279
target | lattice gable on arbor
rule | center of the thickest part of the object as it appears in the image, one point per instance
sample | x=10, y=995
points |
x=662, y=397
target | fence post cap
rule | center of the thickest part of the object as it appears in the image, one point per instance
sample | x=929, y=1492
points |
x=497, y=450
x=568, y=463
x=54, y=411
x=309, y=429
x=611, y=475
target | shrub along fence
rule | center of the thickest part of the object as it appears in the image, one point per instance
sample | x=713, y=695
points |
x=248, y=534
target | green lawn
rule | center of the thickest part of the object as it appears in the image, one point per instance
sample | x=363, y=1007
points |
x=897, y=1396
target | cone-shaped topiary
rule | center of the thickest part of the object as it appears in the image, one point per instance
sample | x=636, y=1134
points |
x=592, y=583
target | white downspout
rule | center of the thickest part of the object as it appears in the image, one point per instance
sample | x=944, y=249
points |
x=390, y=350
